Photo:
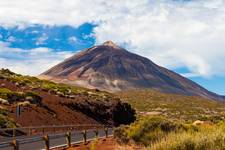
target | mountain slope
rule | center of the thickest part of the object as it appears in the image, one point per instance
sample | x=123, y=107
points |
x=47, y=103
x=112, y=68
x=189, y=108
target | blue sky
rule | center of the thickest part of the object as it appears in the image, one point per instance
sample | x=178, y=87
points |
x=182, y=35
x=59, y=38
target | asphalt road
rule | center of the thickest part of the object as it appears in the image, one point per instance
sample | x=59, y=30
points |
x=76, y=137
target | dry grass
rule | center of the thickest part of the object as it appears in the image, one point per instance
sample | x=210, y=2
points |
x=212, y=138
x=157, y=133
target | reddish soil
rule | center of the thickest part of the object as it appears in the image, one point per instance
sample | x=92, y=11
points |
x=52, y=111
x=106, y=144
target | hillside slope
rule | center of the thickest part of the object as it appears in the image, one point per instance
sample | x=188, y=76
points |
x=47, y=103
x=190, y=108
x=111, y=68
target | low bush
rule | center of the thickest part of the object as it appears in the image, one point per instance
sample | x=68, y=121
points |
x=4, y=93
x=147, y=130
x=10, y=95
x=34, y=97
x=13, y=97
x=205, y=139
x=158, y=133
x=6, y=122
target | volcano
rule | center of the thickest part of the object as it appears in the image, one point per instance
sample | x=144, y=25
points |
x=112, y=68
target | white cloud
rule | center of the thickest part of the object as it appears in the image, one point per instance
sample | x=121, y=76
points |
x=34, y=32
x=72, y=39
x=30, y=62
x=11, y=39
x=189, y=75
x=41, y=40
x=172, y=33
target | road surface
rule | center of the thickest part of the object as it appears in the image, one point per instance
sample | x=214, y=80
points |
x=76, y=137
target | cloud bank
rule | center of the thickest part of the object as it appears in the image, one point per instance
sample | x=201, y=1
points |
x=172, y=33
x=29, y=62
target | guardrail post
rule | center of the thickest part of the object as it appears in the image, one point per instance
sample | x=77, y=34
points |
x=113, y=132
x=46, y=139
x=106, y=132
x=14, y=133
x=43, y=130
x=29, y=131
x=15, y=144
x=96, y=133
x=68, y=139
x=85, y=136
x=54, y=130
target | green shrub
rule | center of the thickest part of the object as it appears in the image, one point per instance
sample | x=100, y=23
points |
x=6, y=72
x=17, y=96
x=47, y=85
x=4, y=93
x=4, y=112
x=148, y=129
x=10, y=96
x=35, y=98
x=121, y=134
x=6, y=122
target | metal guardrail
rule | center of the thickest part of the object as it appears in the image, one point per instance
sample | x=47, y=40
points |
x=35, y=130
x=14, y=143
x=52, y=126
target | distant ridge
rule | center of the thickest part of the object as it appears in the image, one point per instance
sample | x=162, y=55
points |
x=112, y=68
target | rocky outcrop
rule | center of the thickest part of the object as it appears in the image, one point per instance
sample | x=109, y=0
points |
x=113, y=112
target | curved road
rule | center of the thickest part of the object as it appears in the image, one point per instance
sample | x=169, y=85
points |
x=76, y=137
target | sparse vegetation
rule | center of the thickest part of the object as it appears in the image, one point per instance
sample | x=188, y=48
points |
x=185, y=108
x=174, y=129
x=5, y=120
x=61, y=90
x=4, y=93
x=158, y=133
x=212, y=138
x=93, y=145
x=101, y=106
x=147, y=130
x=14, y=97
